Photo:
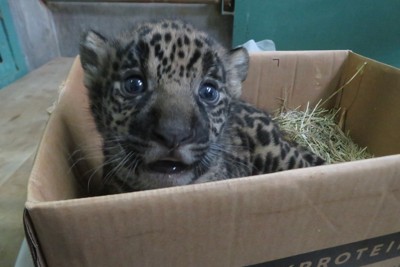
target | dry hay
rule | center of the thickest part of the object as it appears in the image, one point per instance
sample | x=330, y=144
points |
x=316, y=129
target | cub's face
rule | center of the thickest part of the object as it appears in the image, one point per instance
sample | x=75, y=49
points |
x=160, y=96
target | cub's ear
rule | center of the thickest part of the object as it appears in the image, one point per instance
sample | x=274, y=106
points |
x=239, y=59
x=93, y=52
x=238, y=63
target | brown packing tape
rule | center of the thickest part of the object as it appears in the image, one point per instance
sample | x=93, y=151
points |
x=372, y=102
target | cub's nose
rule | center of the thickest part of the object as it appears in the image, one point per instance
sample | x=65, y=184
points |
x=173, y=137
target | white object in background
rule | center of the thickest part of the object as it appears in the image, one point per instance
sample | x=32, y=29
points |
x=24, y=258
x=264, y=45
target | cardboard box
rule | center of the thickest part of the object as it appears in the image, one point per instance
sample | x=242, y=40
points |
x=337, y=215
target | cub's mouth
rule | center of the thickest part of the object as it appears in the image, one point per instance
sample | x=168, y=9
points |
x=168, y=166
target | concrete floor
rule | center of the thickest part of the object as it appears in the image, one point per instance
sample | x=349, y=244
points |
x=23, y=109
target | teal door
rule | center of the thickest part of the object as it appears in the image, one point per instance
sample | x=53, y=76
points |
x=12, y=65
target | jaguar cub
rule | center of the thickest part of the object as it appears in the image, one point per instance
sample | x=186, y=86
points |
x=165, y=99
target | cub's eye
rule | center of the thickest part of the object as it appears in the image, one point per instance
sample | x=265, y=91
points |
x=209, y=93
x=134, y=85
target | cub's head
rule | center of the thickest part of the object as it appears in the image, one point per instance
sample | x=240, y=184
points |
x=160, y=95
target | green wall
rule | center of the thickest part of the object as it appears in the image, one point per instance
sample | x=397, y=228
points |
x=368, y=27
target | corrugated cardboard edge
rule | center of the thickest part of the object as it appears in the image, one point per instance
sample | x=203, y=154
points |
x=32, y=240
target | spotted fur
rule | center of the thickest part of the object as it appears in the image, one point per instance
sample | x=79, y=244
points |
x=165, y=98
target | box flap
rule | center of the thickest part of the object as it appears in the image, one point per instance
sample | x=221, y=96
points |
x=297, y=77
x=70, y=147
x=228, y=223
x=372, y=102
